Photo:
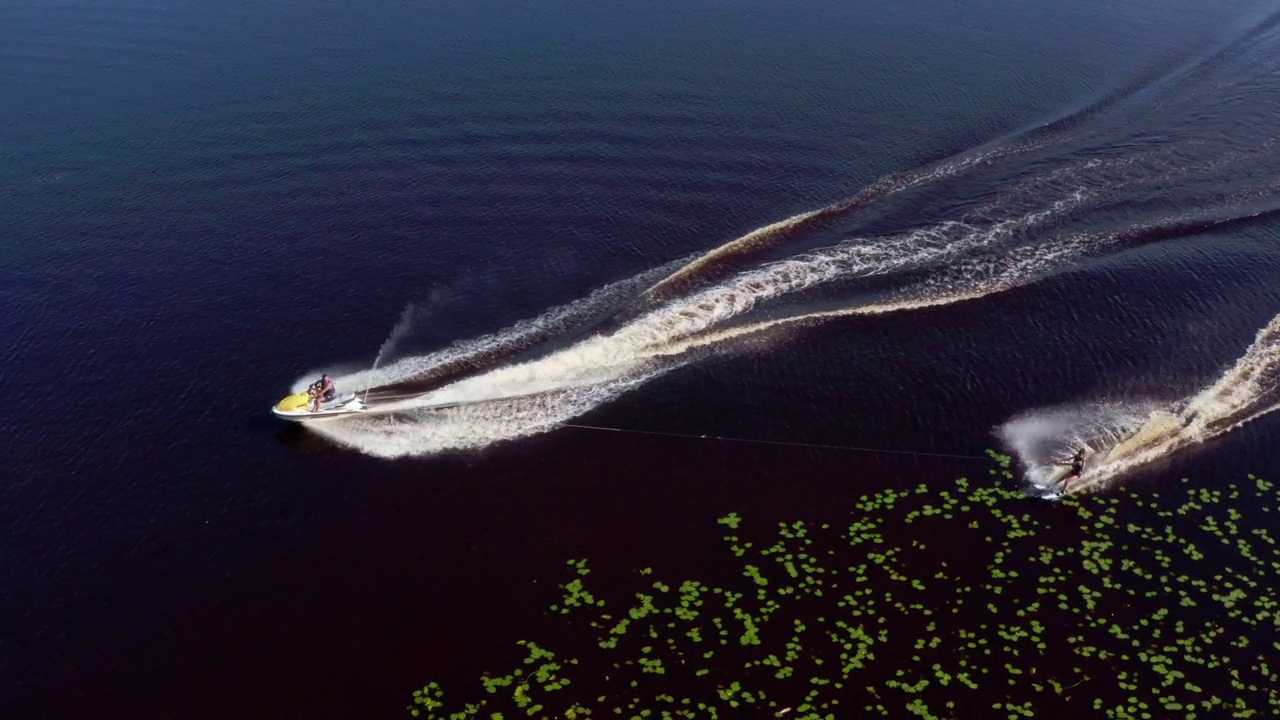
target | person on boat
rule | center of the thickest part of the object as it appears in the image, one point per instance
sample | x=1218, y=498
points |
x=324, y=391
x=1077, y=466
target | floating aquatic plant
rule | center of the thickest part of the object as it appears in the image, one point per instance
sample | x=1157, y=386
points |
x=961, y=601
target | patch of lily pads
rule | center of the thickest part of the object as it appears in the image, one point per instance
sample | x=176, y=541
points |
x=963, y=601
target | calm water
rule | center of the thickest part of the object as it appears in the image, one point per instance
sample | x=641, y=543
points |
x=201, y=204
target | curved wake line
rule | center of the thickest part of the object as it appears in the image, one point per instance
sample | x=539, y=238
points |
x=976, y=280
x=973, y=279
x=771, y=235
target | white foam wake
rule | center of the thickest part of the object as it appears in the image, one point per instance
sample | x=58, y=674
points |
x=1127, y=436
x=515, y=400
x=1006, y=242
x=778, y=231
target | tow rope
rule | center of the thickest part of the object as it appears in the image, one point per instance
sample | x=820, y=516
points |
x=754, y=441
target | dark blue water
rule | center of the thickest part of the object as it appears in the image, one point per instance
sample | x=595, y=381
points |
x=201, y=203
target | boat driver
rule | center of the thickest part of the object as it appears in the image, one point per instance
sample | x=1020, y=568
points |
x=324, y=391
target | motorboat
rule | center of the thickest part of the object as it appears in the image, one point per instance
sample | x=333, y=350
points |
x=300, y=407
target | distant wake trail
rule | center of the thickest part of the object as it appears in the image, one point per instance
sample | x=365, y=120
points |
x=777, y=233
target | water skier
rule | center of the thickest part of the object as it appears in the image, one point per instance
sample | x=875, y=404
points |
x=1077, y=466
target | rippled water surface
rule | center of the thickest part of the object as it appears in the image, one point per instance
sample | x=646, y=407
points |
x=929, y=227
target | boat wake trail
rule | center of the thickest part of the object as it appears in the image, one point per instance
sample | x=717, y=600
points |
x=1124, y=437
x=527, y=380
x=1012, y=212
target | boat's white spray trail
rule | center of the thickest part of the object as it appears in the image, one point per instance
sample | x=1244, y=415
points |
x=398, y=333
x=1011, y=239
x=1128, y=436
x=777, y=232
x=475, y=351
x=517, y=400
